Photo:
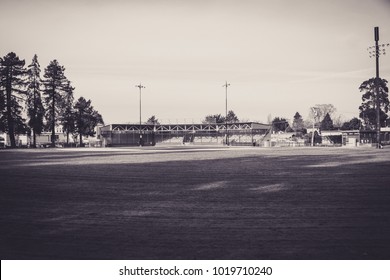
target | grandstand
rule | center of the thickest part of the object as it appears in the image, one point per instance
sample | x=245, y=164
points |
x=243, y=133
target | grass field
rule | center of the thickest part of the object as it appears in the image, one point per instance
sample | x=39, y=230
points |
x=195, y=203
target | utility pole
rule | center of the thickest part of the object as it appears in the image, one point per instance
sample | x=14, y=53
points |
x=315, y=115
x=140, y=86
x=378, y=106
x=377, y=51
x=226, y=123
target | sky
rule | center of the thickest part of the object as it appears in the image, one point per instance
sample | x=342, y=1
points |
x=279, y=57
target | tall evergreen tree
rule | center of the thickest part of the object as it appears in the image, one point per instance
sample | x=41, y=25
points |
x=327, y=123
x=18, y=122
x=12, y=85
x=35, y=110
x=2, y=99
x=370, y=99
x=68, y=117
x=2, y=107
x=86, y=118
x=297, y=124
x=55, y=84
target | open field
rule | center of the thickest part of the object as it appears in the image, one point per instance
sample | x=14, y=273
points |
x=195, y=203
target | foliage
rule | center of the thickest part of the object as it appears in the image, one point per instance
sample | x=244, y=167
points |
x=55, y=88
x=231, y=117
x=68, y=117
x=297, y=124
x=279, y=124
x=327, y=123
x=18, y=122
x=18, y=84
x=12, y=89
x=368, y=107
x=2, y=100
x=152, y=120
x=338, y=121
x=324, y=109
x=218, y=118
x=353, y=124
x=86, y=118
x=318, y=113
x=35, y=110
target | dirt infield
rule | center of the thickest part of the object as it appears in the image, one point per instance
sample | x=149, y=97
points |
x=195, y=203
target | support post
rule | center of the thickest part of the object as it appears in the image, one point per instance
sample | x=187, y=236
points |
x=378, y=121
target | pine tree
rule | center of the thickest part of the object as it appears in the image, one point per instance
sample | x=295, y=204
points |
x=68, y=117
x=12, y=85
x=55, y=84
x=297, y=124
x=35, y=110
x=18, y=122
x=327, y=123
x=2, y=107
x=2, y=99
x=86, y=118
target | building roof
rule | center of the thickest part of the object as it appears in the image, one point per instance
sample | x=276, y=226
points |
x=186, y=127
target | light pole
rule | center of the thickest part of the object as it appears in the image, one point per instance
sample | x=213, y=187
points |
x=140, y=86
x=376, y=51
x=315, y=115
x=226, y=123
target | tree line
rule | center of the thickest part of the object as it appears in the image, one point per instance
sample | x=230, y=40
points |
x=374, y=93
x=48, y=102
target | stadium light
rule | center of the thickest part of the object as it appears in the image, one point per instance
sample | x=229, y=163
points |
x=226, y=124
x=376, y=51
x=315, y=116
x=140, y=86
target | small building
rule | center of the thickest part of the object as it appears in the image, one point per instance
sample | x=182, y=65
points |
x=350, y=138
x=21, y=140
x=3, y=139
x=331, y=137
x=355, y=138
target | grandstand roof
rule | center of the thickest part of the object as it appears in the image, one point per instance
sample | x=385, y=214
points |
x=186, y=127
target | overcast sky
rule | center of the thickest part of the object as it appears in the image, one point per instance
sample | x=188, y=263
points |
x=279, y=56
